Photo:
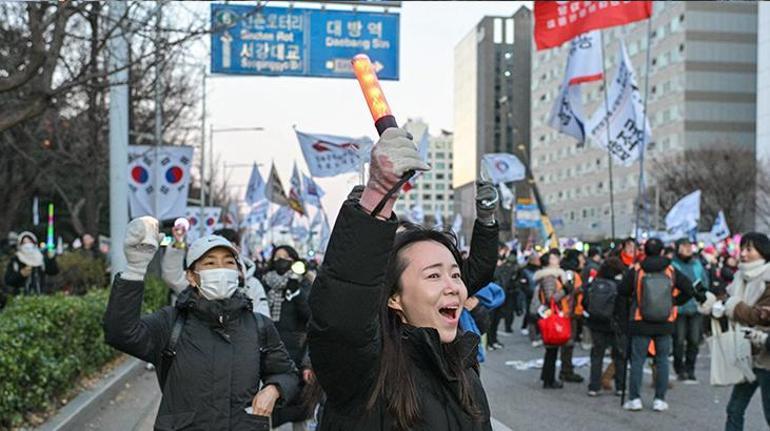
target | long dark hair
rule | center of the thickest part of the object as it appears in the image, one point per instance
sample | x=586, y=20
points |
x=395, y=382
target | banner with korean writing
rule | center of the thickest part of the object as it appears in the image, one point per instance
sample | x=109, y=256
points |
x=628, y=126
x=329, y=155
x=292, y=41
x=559, y=21
x=158, y=189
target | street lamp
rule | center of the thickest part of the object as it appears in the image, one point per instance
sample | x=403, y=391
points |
x=213, y=130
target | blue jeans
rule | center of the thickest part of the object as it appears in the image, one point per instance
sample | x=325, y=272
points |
x=639, y=344
x=741, y=397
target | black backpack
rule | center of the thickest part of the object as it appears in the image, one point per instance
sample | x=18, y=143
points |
x=601, y=299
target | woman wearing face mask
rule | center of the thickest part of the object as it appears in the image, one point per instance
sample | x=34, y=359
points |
x=748, y=294
x=27, y=270
x=287, y=293
x=219, y=363
x=384, y=336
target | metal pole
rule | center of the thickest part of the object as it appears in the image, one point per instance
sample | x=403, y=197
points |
x=118, y=139
x=158, y=114
x=640, y=191
x=202, y=215
x=211, y=164
x=609, y=148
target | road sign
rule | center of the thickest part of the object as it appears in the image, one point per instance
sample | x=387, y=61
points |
x=278, y=41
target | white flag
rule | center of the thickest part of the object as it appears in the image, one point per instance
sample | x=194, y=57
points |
x=282, y=217
x=256, y=190
x=720, y=230
x=438, y=220
x=317, y=219
x=584, y=63
x=625, y=119
x=684, y=215
x=164, y=197
x=328, y=155
x=210, y=220
x=567, y=113
x=503, y=167
x=416, y=214
x=506, y=196
x=325, y=233
x=257, y=214
x=312, y=192
x=457, y=224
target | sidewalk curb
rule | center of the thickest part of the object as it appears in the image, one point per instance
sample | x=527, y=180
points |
x=88, y=402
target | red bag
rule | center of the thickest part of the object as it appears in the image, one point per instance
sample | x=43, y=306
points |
x=556, y=329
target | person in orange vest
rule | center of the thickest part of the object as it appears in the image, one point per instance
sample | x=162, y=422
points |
x=655, y=288
x=573, y=284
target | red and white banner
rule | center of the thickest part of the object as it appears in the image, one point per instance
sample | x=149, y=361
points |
x=559, y=21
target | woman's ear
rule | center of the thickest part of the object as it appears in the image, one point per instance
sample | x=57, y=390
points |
x=192, y=278
x=394, y=302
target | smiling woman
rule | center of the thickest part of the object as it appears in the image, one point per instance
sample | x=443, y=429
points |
x=384, y=338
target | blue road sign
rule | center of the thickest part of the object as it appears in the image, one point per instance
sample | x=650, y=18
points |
x=279, y=41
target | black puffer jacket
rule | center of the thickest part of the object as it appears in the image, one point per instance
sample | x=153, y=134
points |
x=345, y=338
x=35, y=284
x=218, y=365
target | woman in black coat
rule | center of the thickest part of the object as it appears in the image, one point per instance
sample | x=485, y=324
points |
x=220, y=365
x=384, y=338
x=287, y=293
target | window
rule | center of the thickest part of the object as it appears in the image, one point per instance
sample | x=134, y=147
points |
x=440, y=165
x=426, y=186
x=426, y=197
x=440, y=155
x=439, y=176
x=439, y=197
x=440, y=186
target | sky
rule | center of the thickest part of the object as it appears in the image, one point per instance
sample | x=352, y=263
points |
x=429, y=33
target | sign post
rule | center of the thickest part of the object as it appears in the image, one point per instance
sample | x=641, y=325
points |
x=278, y=41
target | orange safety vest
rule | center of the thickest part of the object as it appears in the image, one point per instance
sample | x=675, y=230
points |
x=637, y=316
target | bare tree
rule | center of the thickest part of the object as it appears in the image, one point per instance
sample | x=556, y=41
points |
x=728, y=176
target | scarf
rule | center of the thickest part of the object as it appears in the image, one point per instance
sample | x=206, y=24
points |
x=275, y=296
x=749, y=282
x=30, y=255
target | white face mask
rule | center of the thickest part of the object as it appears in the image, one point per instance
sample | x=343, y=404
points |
x=218, y=283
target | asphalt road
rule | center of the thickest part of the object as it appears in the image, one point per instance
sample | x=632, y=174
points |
x=517, y=400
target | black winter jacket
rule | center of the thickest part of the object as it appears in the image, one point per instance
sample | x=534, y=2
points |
x=295, y=314
x=219, y=362
x=345, y=338
x=35, y=284
x=479, y=269
x=627, y=289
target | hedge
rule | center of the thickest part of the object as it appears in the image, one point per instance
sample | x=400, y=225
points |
x=48, y=342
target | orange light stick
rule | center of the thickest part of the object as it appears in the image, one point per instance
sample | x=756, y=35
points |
x=375, y=98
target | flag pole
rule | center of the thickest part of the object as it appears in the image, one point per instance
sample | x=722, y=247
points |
x=609, y=148
x=640, y=192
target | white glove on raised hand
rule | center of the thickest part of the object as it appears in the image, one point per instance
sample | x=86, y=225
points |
x=718, y=309
x=394, y=154
x=141, y=244
x=756, y=336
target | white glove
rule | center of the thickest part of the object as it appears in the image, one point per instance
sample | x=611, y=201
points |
x=394, y=154
x=542, y=311
x=718, y=309
x=707, y=305
x=757, y=337
x=141, y=243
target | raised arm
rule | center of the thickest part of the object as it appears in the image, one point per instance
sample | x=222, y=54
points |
x=124, y=328
x=345, y=300
x=479, y=269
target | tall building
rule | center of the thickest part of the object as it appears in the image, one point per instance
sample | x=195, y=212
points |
x=491, y=100
x=702, y=92
x=432, y=190
x=763, y=111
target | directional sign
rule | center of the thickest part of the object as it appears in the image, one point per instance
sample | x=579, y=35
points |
x=276, y=41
